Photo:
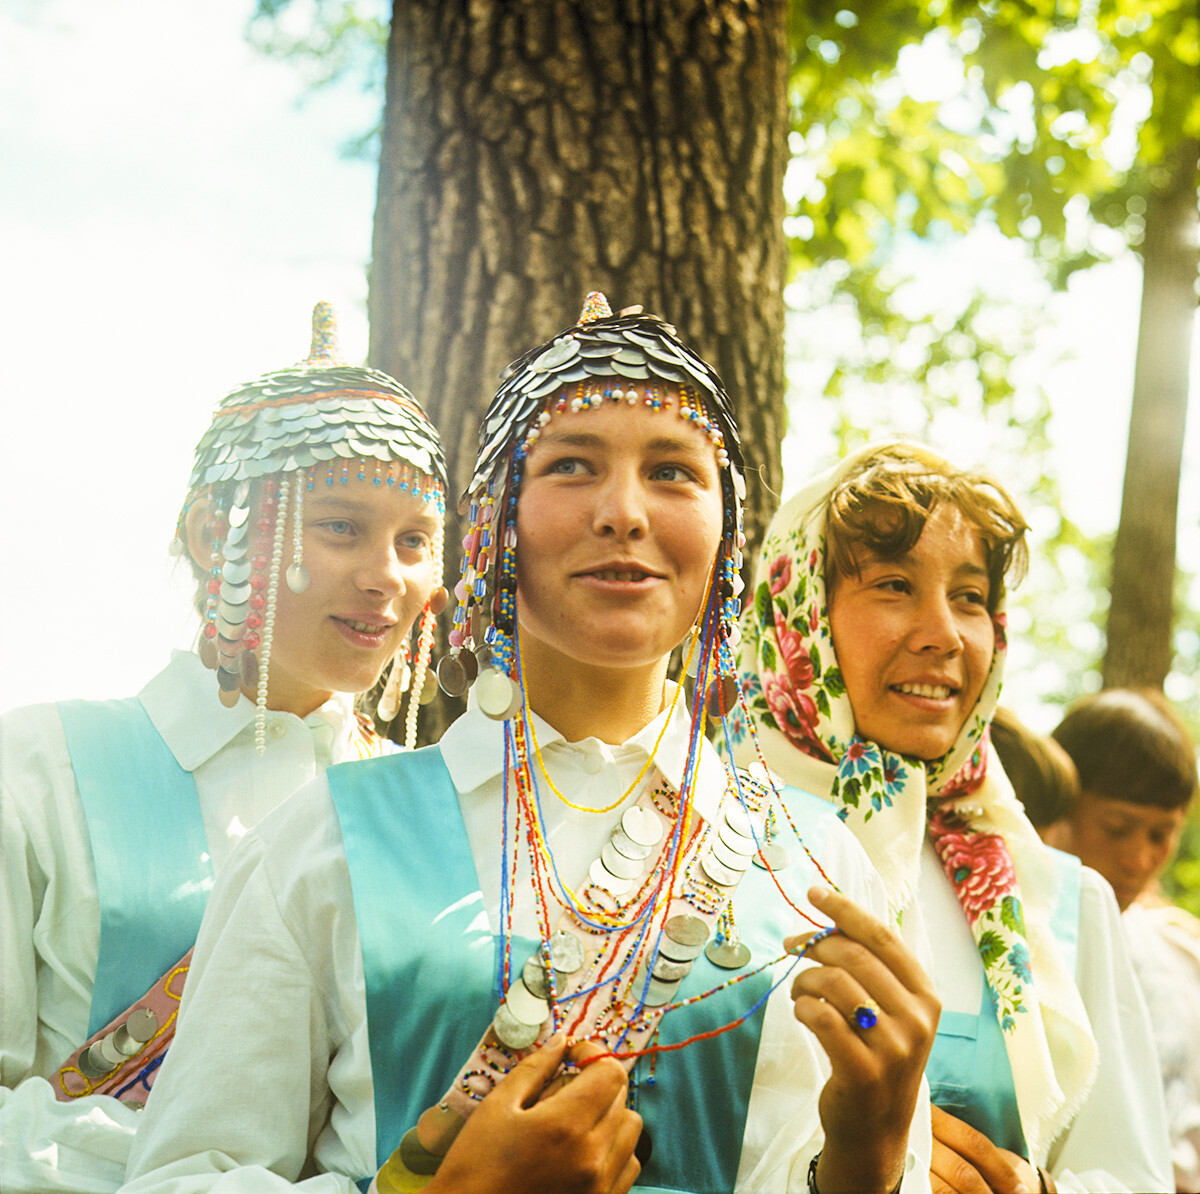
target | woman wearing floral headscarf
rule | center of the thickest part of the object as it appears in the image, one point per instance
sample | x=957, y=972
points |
x=871, y=661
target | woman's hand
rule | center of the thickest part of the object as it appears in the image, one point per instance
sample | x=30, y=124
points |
x=577, y=1139
x=967, y=1162
x=867, y=1105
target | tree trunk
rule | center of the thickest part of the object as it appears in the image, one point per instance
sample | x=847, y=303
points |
x=1141, y=614
x=534, y=152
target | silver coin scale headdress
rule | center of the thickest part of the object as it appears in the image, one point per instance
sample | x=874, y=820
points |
x=272, y=439
x=597, y=357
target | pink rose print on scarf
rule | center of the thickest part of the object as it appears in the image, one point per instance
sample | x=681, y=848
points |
x=970, y=775
x=1000, y=625
x=795, y=656
x=980, y=869
x=795, y=713
x=977, y=864
x=780, y=574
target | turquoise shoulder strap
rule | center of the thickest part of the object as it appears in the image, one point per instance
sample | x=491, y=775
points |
x=153, y=871
x=970, y=1076
x=968, y=1069
x=1064, y=921
x=421, y=926
x=814, y=817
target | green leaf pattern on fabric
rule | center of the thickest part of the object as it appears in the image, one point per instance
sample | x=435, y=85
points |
x=797, y=673
x=980, y=867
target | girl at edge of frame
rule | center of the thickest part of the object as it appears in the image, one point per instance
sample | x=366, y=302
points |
x=615, y=529
x=161, y=787
x=1138, y=778
x=871, y=663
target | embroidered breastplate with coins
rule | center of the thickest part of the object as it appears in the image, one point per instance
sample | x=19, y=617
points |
x=435, y=978
x=613, y=964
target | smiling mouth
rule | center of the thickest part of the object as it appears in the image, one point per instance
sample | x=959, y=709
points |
x=366, y=627
x=935, y=692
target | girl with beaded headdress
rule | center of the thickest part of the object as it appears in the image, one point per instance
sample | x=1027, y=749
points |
x=871, y=659
x=313, y=521
x=511, y=961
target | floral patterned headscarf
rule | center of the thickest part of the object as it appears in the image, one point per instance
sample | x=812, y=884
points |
x=804, y=727
x=796, y=696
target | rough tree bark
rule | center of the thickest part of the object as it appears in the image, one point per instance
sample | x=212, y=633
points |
x=534, y=152
x=1141, y=616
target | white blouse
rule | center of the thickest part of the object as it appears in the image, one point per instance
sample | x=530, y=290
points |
x=1164, y=943
x=50, y=913
x=269, y=1082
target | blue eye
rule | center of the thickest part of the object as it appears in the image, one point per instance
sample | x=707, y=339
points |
x=672, y=472
x=338, y=526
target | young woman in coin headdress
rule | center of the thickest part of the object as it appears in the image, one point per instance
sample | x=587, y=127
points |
x=872, y=656
x=313, y=522
x=513, y=962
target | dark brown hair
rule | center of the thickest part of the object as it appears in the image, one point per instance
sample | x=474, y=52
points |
x=886, y=501
x=1042, y=773
x=1130, y=744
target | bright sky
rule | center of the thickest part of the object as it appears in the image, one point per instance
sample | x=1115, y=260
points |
x=171, y=206
x=169, y=213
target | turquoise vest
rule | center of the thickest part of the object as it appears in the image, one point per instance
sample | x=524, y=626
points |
x=968, y=1070
x=432, y=972
x=153, y=871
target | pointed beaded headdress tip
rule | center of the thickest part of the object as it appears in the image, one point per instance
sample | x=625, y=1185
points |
x=595, y=306
x=324, y=350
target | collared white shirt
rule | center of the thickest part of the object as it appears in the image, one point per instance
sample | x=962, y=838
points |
x=595, y=774
x=297, y=1097
x=1164, y=944
x=49, y=909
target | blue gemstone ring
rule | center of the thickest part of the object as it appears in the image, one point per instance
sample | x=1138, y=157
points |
x=866, y=1015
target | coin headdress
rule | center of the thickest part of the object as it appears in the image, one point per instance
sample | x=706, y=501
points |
x=317, y=423
x=631, y=358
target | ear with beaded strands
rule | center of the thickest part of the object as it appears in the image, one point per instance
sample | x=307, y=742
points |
x=416, y=678
x=272, y=440
x=631, y=358
x=399, y=676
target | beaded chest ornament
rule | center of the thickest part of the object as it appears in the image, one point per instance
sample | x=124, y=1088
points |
x=271, y=441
